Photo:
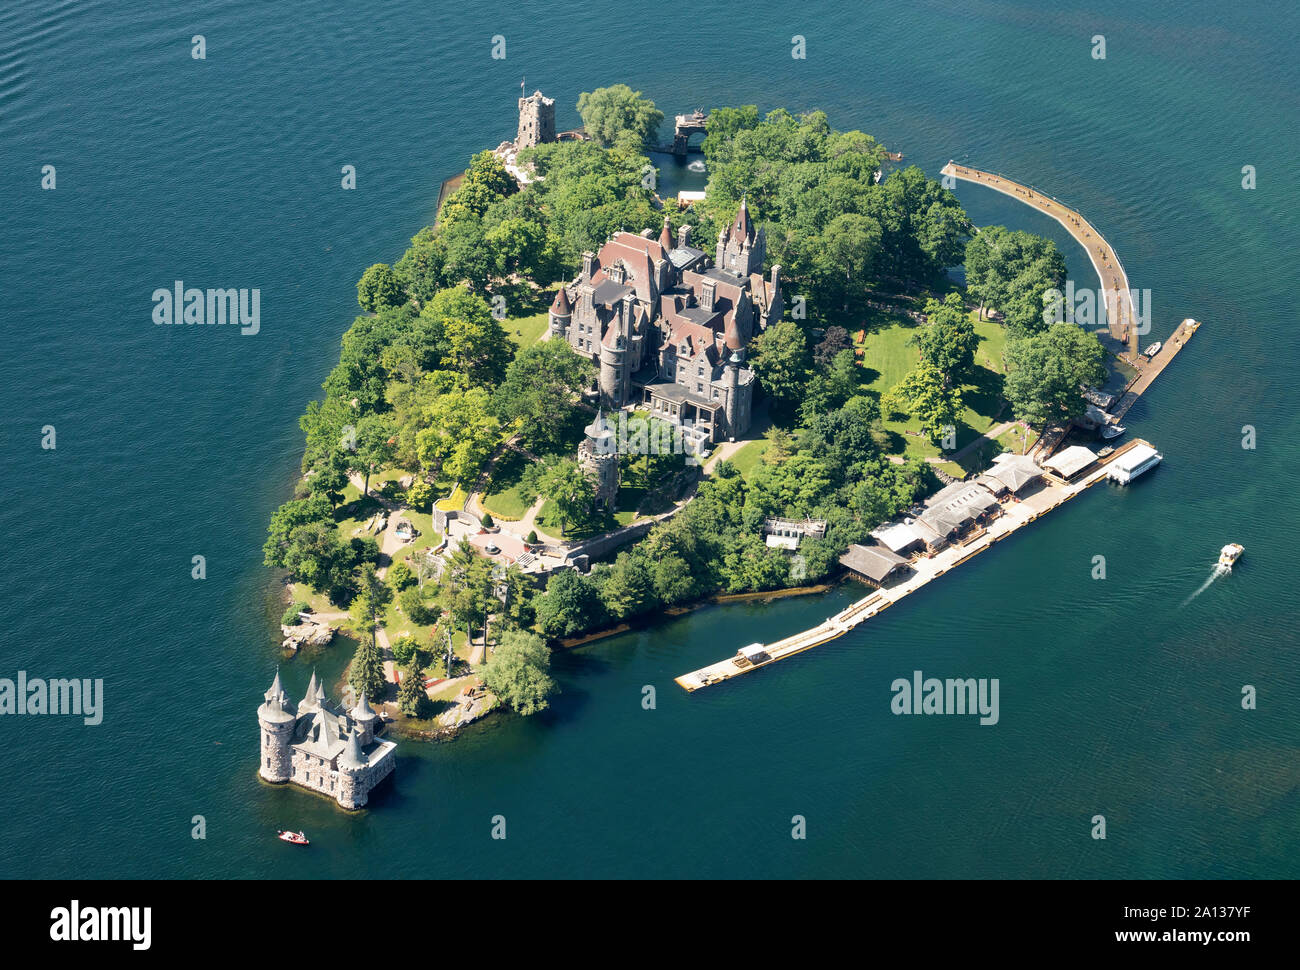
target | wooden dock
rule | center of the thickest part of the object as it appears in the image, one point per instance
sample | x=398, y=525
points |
x=1151, y=369
x=1012, y=517
x=1120, y=316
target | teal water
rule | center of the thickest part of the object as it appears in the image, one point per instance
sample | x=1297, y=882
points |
x=175, y=442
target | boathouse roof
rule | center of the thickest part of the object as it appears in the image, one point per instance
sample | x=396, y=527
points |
x=874, y=562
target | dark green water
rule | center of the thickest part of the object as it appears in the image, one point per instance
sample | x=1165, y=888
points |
x=174, y=442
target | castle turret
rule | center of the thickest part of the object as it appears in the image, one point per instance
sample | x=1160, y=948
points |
x=561, y=315
x=365, y=719
x=536, y=120
x=309, y=703
x=742, y=246
x=613, y=360
x=352, y=790
x=598, y=457
x=276, y=718
x=666, y=237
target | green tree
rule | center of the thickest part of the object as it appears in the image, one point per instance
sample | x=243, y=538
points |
x=1046, y=374
x=366, y=675
x=568, y=606
x=379, y=288
x=629, y=587
x=948, y=340
x=923, y=395
x=617, y=115
x=780, y=358
x=373, y=596
x=289, y=516
x=412, y=699
x=373, y=447
x=460, y=434
x=540, y=392
x=476, y=342
x=567, y=484
x=848, y=249
x=518, y=672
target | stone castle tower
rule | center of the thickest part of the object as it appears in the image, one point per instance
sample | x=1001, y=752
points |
x=278, y=721
x=613, y=361
x=561, y=315
x=741, y=247
x=598, y=457
x=536, y=121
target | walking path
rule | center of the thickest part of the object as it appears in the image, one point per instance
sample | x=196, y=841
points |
x=1110, y=272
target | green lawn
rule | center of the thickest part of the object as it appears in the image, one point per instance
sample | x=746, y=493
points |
x=748, y=457
x=526, y=331
x=888, y=358
x=506, y=499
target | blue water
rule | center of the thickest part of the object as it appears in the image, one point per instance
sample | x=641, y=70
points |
x=174, y=442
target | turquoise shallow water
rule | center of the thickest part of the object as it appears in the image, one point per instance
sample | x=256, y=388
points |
x=174, y=442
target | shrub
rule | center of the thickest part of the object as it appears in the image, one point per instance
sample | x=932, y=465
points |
x=487, y=520
x=413, y=605
x=532, y=537
x=290, y=617
x=404, y=650
x=400, y=575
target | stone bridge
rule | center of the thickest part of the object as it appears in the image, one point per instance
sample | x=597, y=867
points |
x=685, y=126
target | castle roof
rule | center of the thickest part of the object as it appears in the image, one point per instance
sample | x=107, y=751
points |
x=363, y=710
x=561, y=307
x=352, y=756
x=310, y=697
x=744, y=226
x=276, y=687
x=324, y=736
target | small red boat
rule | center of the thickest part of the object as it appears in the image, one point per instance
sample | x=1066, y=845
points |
x=297, y=838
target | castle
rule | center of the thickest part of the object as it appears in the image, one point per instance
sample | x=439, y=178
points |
x=336, y=754
x=670, y=331
x=536, y=121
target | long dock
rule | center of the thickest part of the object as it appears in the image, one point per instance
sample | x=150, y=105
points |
x=1012, y=517
x=1110, y=271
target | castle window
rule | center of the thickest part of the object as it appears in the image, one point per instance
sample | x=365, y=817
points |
x=699, y=388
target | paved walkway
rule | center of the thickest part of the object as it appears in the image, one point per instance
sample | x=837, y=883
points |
x=1114, y=281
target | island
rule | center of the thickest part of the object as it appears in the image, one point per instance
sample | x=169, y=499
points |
x=577, y=403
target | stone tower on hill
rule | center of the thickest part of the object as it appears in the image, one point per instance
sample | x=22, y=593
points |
x=536, y=121
x=598, y=457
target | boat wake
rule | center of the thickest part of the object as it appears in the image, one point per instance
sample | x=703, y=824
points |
x=1215, y=573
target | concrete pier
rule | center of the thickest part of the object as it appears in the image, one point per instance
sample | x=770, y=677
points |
x=1114, y=281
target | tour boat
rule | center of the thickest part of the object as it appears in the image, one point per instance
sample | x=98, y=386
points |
x=1109, y=431
x=1230, y=554
x=297, y=838
x=1153, y=349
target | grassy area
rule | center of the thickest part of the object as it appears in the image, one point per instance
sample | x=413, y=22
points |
x=506, y=498
x=888, y=357
x=747, y=458
x=526, y=331
x=455, y=500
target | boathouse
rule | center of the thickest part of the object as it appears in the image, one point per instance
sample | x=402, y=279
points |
x=1010, y=474
x=1069, y=463
x=897, y=537
x=873, y=563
